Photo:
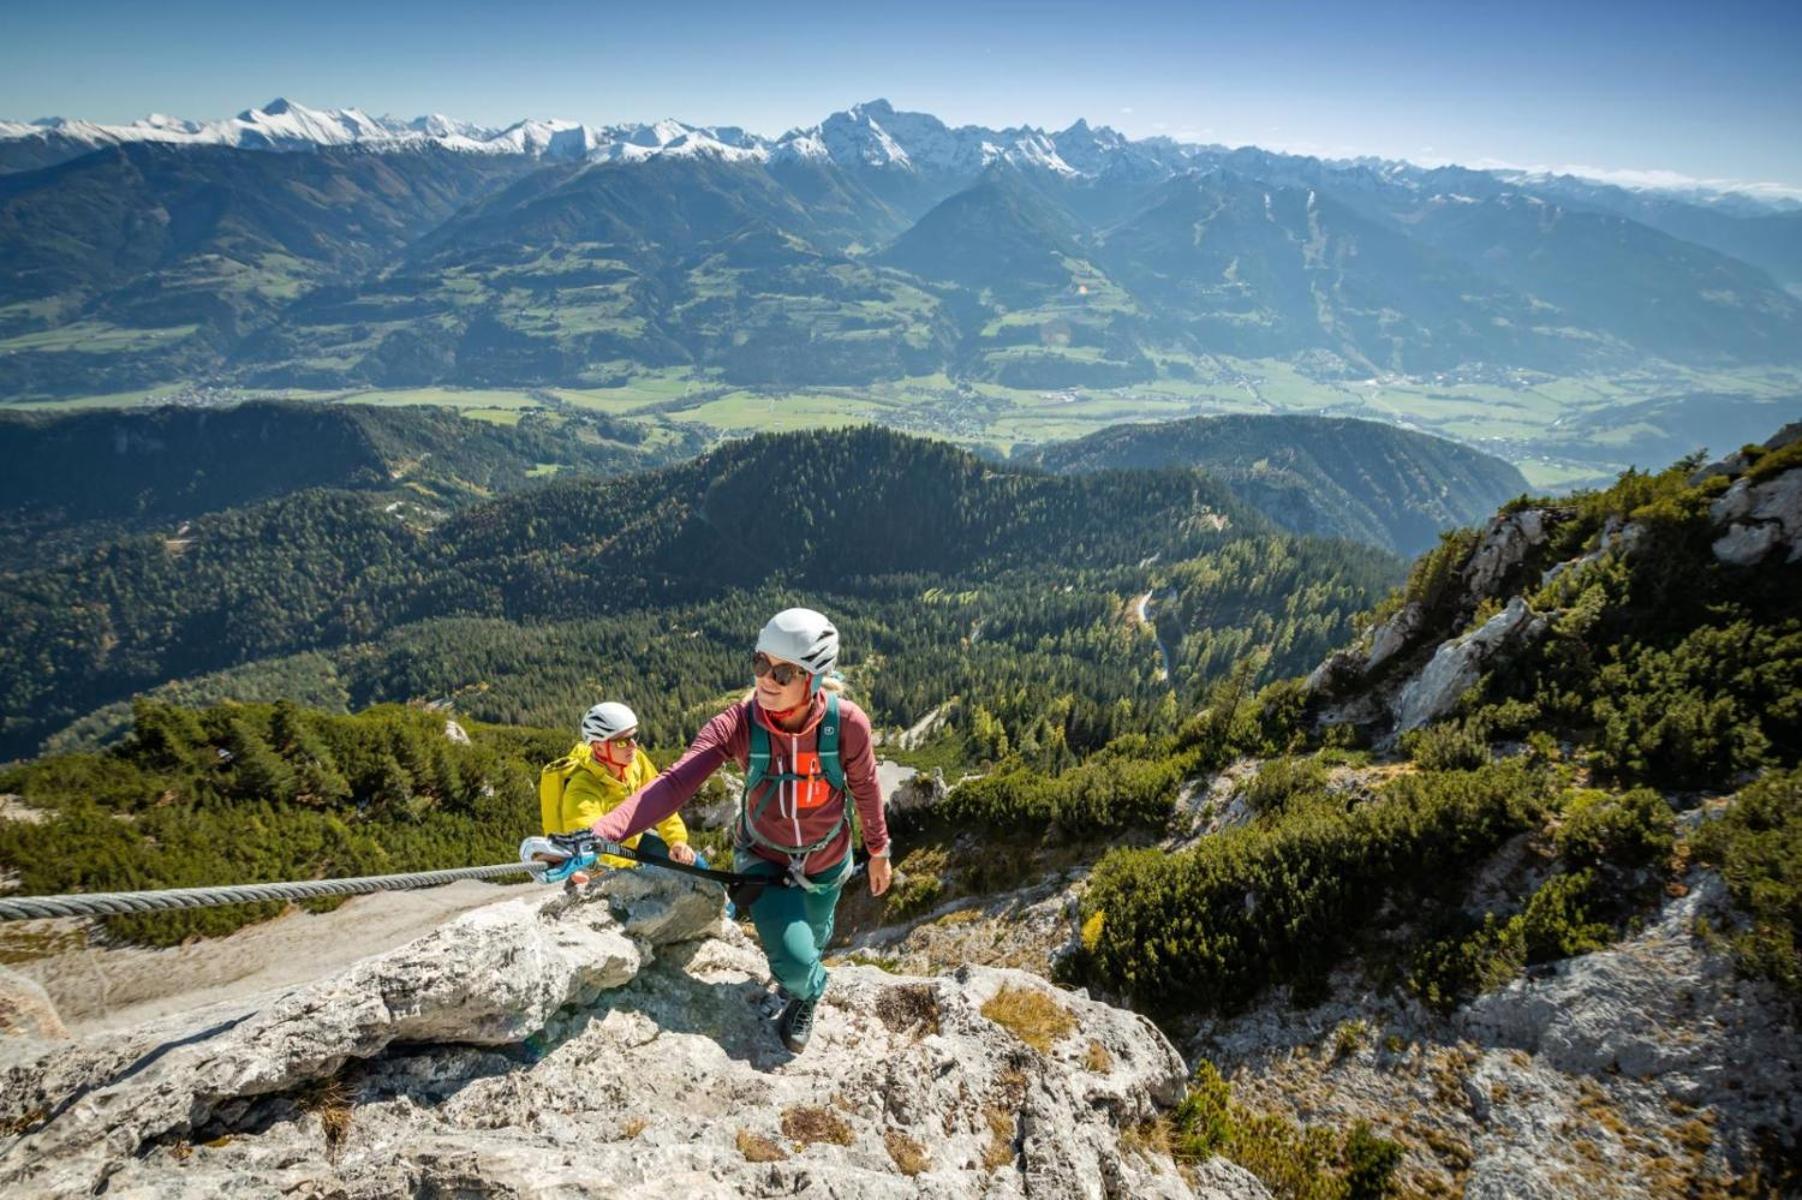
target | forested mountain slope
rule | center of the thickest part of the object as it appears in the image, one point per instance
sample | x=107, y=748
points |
x=82, y=477
x=1328, y=476
x=320, y=569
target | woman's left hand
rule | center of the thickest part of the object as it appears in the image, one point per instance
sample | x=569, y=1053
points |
x=879, y=876
x=683, y=853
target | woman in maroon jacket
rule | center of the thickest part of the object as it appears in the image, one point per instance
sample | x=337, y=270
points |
x=792, y=821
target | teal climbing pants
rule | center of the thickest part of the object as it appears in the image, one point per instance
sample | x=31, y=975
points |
x=794, y=924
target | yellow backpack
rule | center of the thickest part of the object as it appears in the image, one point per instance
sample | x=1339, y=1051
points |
x=553, y=781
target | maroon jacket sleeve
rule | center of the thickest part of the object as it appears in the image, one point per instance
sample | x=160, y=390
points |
x=860, y=778
x=721, y=739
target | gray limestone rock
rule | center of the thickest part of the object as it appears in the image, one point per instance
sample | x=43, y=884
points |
x=1458, y=663
x=1394, y=634
x=1504, y=545
x=25, y=1010
x=918, y=793
x=1760, y=518
x=607, y=1043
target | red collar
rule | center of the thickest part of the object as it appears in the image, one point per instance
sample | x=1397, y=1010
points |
x=817, y=705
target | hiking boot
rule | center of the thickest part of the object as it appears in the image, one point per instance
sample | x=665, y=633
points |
x=773, y=1004
x=796, y=1025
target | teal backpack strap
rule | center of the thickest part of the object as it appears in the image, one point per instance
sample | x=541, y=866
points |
x=757, y=771
x=827, y=748
x=757, y=760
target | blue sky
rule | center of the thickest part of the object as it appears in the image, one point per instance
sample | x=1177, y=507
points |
x=1710, y=91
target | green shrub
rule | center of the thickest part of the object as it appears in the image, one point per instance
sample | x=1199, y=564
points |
x=1446, y=746
x=1294, y=1161
x=1510, y=719
x=1106, y=794
x=1771, y=463
x=1634, y=829
x=1720, y=701
x=1278, y=902
x=919, y=883
x=1476, y=959
x=1282, y=780
x=1556, y=921
x=1757, y=846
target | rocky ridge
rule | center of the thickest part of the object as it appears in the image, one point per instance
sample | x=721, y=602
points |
x=1411, y=668
x=613, y=1042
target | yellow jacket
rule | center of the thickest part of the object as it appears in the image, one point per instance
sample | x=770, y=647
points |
x=592, y=792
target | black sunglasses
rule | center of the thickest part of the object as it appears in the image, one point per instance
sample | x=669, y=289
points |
x=783, y=673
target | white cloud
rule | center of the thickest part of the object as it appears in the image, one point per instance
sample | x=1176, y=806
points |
x=1651, y=178
x=1127, y=110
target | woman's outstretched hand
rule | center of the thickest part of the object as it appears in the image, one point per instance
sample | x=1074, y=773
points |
x=879, y=876
x=683, y=853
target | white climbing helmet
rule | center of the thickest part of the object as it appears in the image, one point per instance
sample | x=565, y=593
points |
x=608, y=720
x=801, y=635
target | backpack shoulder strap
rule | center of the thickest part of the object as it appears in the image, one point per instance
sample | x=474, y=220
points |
x=757, y=760
x=826, y=745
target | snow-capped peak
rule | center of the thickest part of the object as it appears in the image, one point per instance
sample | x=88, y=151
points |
x=872, y=135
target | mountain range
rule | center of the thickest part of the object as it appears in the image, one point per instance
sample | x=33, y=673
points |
x=877, y=245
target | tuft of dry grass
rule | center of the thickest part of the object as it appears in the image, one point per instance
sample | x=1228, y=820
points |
x=13, y=1126
x=1696, y=1137
x=909, y=1156
x=1000, y=1150
x=1030, y=1015
x=758, y=1149
x=1150, y=1138
x=329, y=1100
x=909, y=1007
x=805, y=1124
x=1096, y=1059
x=633, y=1127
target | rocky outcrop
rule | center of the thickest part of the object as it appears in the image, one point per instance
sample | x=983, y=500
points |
x=609, y=1043
x=1393, y=635
x=1409, y=669
x=918, y=793
x=1395, y=669
x=1761, y=518
x=1505, y=544
x=1648, y=1069
x=1457, y=664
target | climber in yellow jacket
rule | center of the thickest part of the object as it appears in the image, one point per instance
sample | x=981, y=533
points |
x=597, y=775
